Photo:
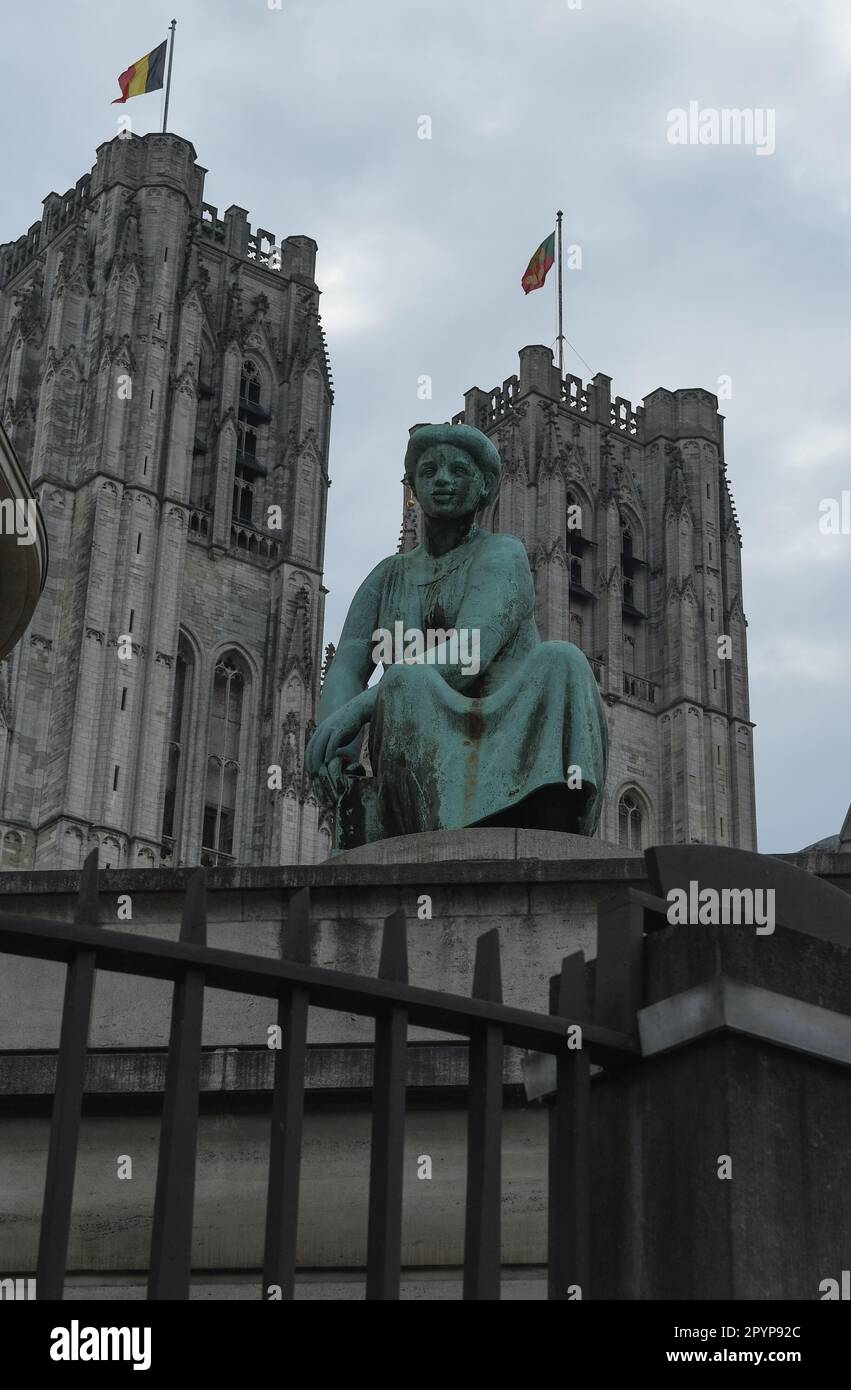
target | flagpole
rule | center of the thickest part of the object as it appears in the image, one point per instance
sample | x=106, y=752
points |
x=172, y=27
x=560, y=301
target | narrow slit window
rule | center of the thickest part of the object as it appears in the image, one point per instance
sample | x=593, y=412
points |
x=115, y=779
x=179, y=731
x=124, y=698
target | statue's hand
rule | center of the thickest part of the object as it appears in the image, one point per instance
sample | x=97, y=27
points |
x=322, y=757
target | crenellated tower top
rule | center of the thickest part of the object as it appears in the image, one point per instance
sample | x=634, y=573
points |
x=160, y=161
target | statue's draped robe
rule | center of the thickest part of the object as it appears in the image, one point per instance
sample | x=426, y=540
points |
x=523, y=742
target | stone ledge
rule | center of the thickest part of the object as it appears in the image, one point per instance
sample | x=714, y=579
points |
x=716, y=1006
x=620, y=868
x=728, y=1004
x=524, y=1283
x=289, y=878
x=247, y=1071
x=484, y=845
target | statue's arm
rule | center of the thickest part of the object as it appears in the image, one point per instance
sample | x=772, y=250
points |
x=353, y=665
x=346, y=704
x=499, y=598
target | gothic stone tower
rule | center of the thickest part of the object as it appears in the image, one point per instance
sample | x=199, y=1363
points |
x=636, y=553
x=165, y=382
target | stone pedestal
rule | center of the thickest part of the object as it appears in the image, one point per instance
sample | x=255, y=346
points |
x=746, y=1070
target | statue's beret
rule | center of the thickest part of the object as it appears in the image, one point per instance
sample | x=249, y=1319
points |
x=484, y=454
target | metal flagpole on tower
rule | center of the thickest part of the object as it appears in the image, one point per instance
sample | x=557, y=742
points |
x=560, y=301
x=172, y=27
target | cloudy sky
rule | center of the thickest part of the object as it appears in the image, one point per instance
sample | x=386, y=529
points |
x=698, y=261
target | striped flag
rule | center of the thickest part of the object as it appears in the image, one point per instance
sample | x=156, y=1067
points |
x=145, y=75
x=536, y=271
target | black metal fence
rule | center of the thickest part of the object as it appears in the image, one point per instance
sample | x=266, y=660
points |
x=608, y=1038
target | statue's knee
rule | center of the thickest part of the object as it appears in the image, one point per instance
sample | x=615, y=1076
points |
x=562, y=655
x=390, y=677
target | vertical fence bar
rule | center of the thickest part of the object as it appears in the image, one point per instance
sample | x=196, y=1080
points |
x=384, y=1240
x=620, y=955
x=68, y=1098
x=171, y=1237
x=482, y=1248
x=570, y=1143
x=287, y=1112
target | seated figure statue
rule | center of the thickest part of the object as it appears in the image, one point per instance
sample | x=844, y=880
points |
x=515, y=737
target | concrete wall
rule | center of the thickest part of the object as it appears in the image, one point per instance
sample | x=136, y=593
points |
x=111, y=1228
x=544, y=911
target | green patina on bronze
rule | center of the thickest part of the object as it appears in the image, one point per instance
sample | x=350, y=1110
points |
x=450, y=748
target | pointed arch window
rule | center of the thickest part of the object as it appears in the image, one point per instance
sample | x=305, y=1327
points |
x=245, y=476
x=253, y=394
x=247, y=444
x=251, y=445
x=633, y=821
x=579, y=547
x=249, y=384
x=227, y=715
x=574, y=523
x=632, y=568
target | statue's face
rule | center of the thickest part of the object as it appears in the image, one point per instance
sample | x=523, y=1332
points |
x=447, y=482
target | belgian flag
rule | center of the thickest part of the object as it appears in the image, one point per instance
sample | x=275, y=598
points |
x=145, y=75
x=536, y=271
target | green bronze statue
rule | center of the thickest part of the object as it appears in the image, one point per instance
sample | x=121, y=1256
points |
x=475, y=721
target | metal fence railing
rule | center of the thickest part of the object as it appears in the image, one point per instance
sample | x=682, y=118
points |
x=394, y=1004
